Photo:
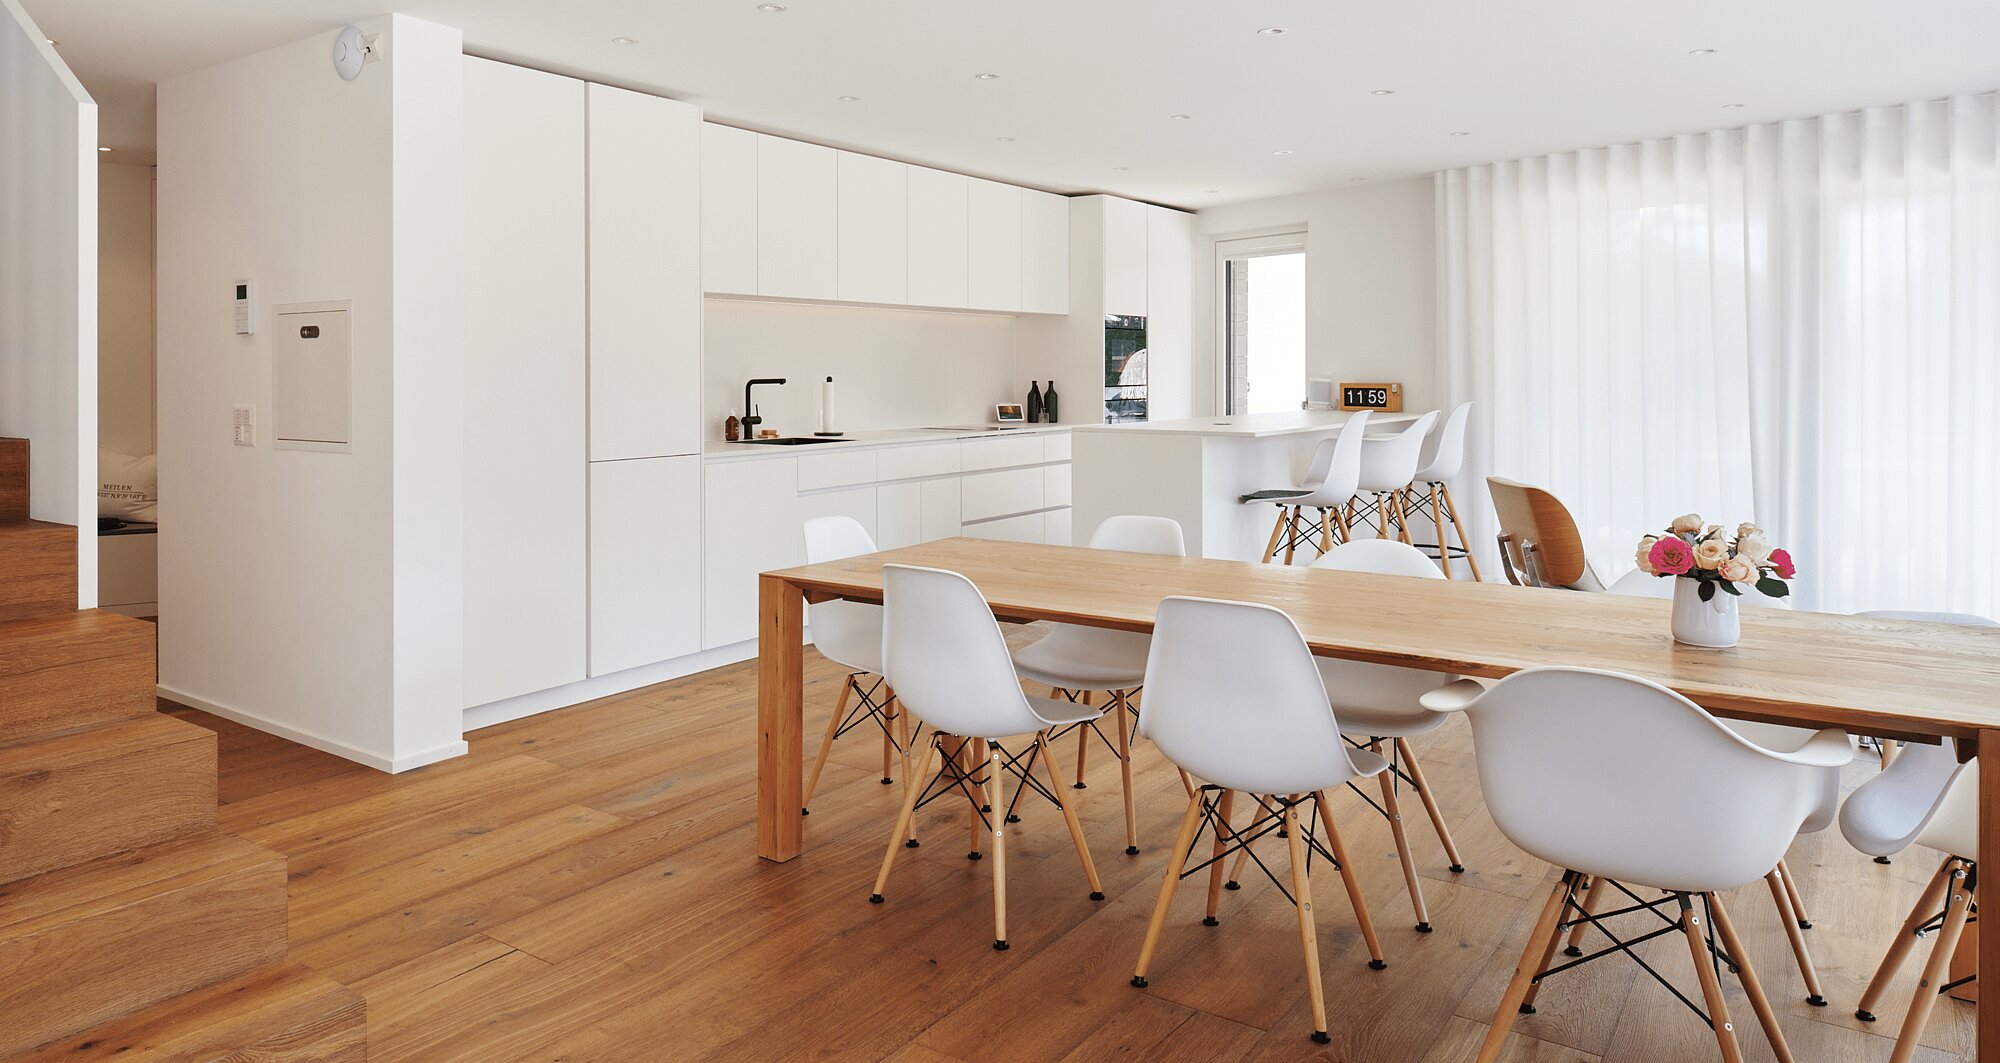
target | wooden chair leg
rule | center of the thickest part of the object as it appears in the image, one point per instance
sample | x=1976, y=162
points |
x=1223, y=833
x=1711, y=986
x=1390, y=805
x=1187, y=783
x=1277, y=533
x=1082, y=747
x=1347, y=880
x=972, y=760
x=1958, y=904
x=1423, y=786
x=1790, y=917
x=1906, y=939
x=1590, y=896
x=1548, y=955
x=1444, y=491
x=1547, y=928
x=1402, y=517
x=1753, y=989
x=1069, y=815
x=1292, y=535
x=826, y=746
x=1120, y=700
x=1176, y=862
x=992, y=792
x=890, y=713
x=1437, y=528
x=1325, y=532
x=1302, y=895
x=1792, y=893
x=903, y=819
x=1340, y=525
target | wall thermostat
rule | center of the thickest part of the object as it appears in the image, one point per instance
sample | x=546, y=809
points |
x=246, y=315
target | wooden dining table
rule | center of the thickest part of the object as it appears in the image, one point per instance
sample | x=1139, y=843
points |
x=1890, y=678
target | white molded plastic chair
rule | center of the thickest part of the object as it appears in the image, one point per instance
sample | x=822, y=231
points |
x=944, y=654
x=1074, y=660
x=1329, y=486
x=1611, y=777
x=1429, y=491
x=1233, y=697
x=850, y=635
x=1387, y=467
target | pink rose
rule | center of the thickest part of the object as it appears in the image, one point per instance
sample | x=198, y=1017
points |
x=1781, y=562
x=1671, y=557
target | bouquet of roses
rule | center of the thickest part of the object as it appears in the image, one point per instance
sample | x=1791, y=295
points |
x=1704, y=553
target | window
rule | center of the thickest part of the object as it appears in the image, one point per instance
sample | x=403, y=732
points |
x=1263, y=322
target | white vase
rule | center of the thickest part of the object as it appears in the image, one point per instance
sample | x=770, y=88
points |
x=1712, y=623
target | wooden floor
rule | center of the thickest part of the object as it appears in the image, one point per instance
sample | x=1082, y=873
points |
x=583, y=887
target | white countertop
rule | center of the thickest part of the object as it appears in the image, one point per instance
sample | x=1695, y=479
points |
x=1249, y=425
x=715, y=449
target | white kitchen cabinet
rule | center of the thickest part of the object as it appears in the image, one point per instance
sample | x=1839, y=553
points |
x=645, y=561
x=1125, y=256
x=1055, y=485
x=1027, y=528
x=728, y=210
x=937, y=238
x=750, y=524
x=645, y=275
x=1044, y=252
x=1056, y=527
x=526, y=582
x=993, y=245
x=855, y=502
x=1056, y=446
x=942, y=502
x=993, y=494
x=1169, y=313
x=874, y=229
x=841, y=468
x=899, y=515
x=909, y=463
x=1000, y=452
x=798, y=224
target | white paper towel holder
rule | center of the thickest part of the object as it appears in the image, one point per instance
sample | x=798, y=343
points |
x=826, y=413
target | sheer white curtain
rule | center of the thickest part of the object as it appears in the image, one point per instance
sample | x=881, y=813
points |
x=1794, y=324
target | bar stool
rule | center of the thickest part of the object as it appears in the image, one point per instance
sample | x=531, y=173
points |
x=1659, y=773
x=943, y=652
x=1388, y=465
x=1329, y=486
x=1539, y=542
x=1429, y=492
x=1232, y=697
x=1073, y=660
x=850, y=635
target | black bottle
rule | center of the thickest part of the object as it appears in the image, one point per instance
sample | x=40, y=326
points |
x=1049, y=403
x=1034, y=402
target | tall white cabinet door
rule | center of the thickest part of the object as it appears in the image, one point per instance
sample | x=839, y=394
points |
x=645, y=275
x=1044, y=252
x=728, y=210
x=751, y=524
x=1170, y=313
x=937, y=238
x=1125, y=224
x=645, y=561
x=525, y=578
x=899, y=515
x=797, y=220
x=942, y=504
x=874, y=230
x=993, y=245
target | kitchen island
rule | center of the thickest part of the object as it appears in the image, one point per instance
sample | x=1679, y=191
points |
x=1196, y=470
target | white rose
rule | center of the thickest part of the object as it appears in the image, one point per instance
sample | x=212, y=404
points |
x=1746, y=529
x=1645, y=556
x=1737, y=570
x=1753, y=548
x=1710, y=553
x=1685, y=524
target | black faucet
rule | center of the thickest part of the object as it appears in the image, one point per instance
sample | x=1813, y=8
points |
x=750, y=418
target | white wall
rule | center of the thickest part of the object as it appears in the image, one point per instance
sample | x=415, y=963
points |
x=891, y=368
x=316, y=594
x=125, y=307
x=48, y=281
x=1371, y=265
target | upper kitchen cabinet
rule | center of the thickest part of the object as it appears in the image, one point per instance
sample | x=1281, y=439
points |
x=1170, y=313
x=645, y=275
x=874, y=230
x=797, y=219
x=1125, y=256
x=937, y=237
x=728, y=210
x=1044, y=252
x=993, y=245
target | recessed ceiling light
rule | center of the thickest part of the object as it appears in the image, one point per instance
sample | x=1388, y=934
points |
x=624, y=40
x=1211, y=191
x=1381, y=92
x=104, y=149
x=1180, y=117
x=1461, y=132
x=770, y=9
x=1702, y=51
x=850, y=99
x=1731, y=106
x=52, y=41
x=1273, y=31
x=1121, y=169
x=1281, y=153
x=1005, y=140
x=987, y=77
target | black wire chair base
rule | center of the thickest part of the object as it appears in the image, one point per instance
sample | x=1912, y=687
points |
x=1683, y=902
x=954, y=777
x=1270, y=819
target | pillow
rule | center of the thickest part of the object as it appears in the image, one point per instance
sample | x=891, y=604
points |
x=128, y=487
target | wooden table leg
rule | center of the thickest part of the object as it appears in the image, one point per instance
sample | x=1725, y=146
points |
x=781, y=610
x=1989, y=842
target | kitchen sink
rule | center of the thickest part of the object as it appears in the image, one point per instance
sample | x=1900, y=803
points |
x=790, y=441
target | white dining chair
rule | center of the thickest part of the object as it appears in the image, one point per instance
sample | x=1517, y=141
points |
x=850, y=635
x=1233, y=698
x=1924, y=797
x=1075, y=661
x=1388, y=465
x=1429, y=492
x=1674, y=801
x=1327, y=490
x=943, y=652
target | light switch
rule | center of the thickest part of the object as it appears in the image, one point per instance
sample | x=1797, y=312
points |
x=246, y=425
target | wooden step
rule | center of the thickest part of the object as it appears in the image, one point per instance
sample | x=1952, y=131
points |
x=13, y=478
x=87, y=794
x=278, y=1013
x=37, y=569
x=92, y=943
x=74, y=670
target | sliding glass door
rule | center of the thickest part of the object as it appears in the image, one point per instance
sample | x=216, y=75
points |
x=1263, y=322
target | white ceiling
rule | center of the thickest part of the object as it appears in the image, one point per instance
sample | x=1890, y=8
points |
x=1087, y=86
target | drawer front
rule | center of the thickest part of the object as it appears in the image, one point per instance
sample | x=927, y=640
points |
x=941, y=499
x=1000, y=453
x=899, y=515
x=998, y=494
x=1055, y=446
x=1030, y=528
x=820, y=471
x=1058, y=527
x=1055, y=485
x=910, y=463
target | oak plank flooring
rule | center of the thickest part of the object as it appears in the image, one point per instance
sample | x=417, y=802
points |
x=582, y=887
